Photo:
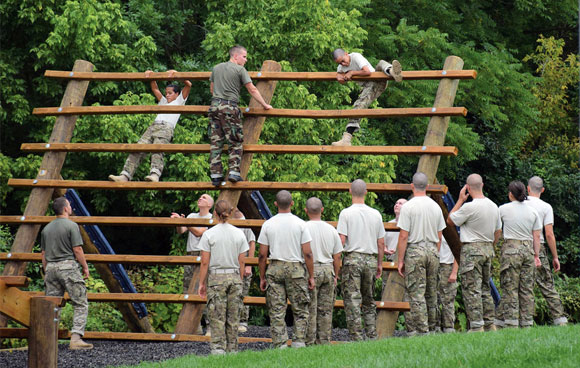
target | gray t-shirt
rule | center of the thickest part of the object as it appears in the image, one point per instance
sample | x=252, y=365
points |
x=392, y=238
x=284, y=234
x=422, y=218
x=519, y=220
x=325, y=241
x=544, y=210
x=250, y=237
x=445, y=254
x=478, y=219
x=225, y=242
x=58, y=239
x=228, y=79
x=192, y=240
x=357, y=62
x=362, y=226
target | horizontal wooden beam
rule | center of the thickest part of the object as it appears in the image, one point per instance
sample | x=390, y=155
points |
x=15, y=281
x=281, y=113
x=194, y=298
x=248, y=148
x=22, y=333
x=283, y=76
x=140, y=259
x=192, y=185
x=15, y=303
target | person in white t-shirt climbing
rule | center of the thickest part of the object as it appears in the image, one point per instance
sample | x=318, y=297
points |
x=354, y=64
x=160, y=132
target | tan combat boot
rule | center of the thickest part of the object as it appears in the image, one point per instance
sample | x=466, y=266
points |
x=118, y=178
x=153, y=177
x=489, y=328
x=76, y=343
x=396, y=71
x=345, y=141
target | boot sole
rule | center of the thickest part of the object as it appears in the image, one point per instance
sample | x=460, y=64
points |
x=396, y=71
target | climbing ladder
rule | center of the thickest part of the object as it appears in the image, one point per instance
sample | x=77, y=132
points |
x=49, y=182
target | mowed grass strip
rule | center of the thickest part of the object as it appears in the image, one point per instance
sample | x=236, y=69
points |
x=533, y=347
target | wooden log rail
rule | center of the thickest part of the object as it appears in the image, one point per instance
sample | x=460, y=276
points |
x=193, y=185
x=282, y=76
x=193, y=298
x=248, y=148
x=280, y=113
x=131, y=259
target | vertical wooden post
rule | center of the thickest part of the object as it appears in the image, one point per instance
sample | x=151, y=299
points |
x=428, y=164
x=43, y=333
x=190, y=315
x=49, y=169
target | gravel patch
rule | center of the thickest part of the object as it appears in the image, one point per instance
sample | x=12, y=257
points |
x=113, y=353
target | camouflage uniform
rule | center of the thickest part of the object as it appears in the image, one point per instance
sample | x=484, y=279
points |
x=223, y=303
x=545, y=282
x=358, y=280
x=287, y=280
x=245, y=309
x=446, y=299
x=159, y=132
x=475, y=271
x=421, y=269
x=225, y=124
x=321, y=305
x=65, y=276
x=517, y=282
x=371, y=90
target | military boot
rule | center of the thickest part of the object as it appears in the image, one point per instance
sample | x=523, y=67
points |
x=76, y=343
x=153, y=177
x=345, y=141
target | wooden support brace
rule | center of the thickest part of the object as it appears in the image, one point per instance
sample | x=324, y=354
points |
x=43, y=332
x=435, y=136
x=15, y=281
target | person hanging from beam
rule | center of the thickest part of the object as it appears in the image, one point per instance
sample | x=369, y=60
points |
x=354, y=64
x=225, y=117
x=160, y=132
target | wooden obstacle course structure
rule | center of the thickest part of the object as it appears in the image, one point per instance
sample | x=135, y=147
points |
x=55, y=150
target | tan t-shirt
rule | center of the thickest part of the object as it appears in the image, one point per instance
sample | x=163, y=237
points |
x=192, y=240
x=362, y=226
x=228, y=79
x=422, y=218
x=284, y=234
x=225, y=242
x=519, y=220
x=544, y=210
x=325, y=241
x=478, y=220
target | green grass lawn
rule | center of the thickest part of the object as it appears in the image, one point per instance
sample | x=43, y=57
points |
x=533, y=347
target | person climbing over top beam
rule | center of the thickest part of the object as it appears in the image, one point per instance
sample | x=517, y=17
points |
x=160, y=132
x=225, y=117
x=354, y=64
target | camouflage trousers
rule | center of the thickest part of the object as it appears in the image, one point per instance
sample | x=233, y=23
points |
x=421, y=271
x=517, y=283
x=475, y=271
x=545, y=283
x=358, y=287
x=158, y=133
x=371, y=90
x=65, y=276
x=245, y=309
x=287, y=280
x=321, y=305
x=226, y=124
x=446, y=293
x=223, y=303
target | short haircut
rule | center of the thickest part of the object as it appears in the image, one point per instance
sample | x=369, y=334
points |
x=358, y=188
x=209, y=199
x=475, y=181
x=175, y=86
x=518, y=190
x=314, y=205
x=284, y=199
x=536, y=184
x=236, y=50
x=420, y=181
x=223, y=209
x=59, y=205
x=238, y=214
x=338, y=53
